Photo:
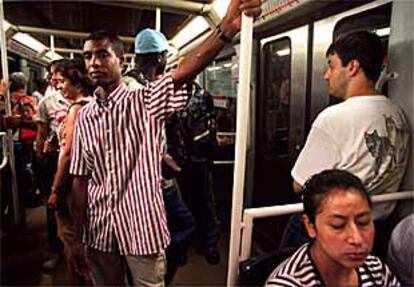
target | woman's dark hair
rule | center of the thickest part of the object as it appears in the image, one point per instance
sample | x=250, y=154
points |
x=319, y=186
x=74, y=70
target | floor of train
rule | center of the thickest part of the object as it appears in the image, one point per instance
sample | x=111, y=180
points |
x=23, y=251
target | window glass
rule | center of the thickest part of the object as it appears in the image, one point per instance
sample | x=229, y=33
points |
x=274, y=132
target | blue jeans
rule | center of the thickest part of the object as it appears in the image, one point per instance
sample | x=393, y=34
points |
x=197, y=188
x=181, y=225
x=49, y=167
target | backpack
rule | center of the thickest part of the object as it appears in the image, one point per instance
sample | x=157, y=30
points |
x=191, y=134
x=200, y=123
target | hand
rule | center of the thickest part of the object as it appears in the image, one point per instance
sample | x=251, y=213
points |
x=3, y=87
x=53, y=199
x=168, y=159
x=50, y=146
x=12, y=122
x=250, y=8
x=77, y=259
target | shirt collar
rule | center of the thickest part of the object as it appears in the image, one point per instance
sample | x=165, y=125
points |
x=113, y=97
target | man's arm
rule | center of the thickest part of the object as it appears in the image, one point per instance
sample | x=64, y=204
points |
x=42, y=133
x=203, y=54
x=79, y=192
x=79, y=196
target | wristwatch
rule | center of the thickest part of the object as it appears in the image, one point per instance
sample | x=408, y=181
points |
x=223, y=36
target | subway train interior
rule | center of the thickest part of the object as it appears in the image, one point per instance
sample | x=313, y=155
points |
x=287, y=92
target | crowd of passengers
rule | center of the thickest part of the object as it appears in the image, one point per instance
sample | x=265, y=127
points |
x=110, y=180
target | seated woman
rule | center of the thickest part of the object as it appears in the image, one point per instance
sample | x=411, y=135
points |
x=337, y=217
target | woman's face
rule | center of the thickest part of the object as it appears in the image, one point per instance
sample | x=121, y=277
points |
x=68, y=90
x=343, y=229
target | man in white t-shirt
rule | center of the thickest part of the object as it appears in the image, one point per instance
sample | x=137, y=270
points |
x=366, y=134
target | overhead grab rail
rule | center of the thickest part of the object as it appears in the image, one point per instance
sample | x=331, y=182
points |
x=272, y=211
x=174, y=6
x=59, y=33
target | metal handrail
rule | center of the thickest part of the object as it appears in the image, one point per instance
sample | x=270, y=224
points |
x=271, y=211
x=5, y=157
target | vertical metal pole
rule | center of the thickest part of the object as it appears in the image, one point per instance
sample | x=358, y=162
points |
x=52, y=46
x=9, y=140
x=158, y=19
x=243, y=112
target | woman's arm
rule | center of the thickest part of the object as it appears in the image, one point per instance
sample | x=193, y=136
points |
x=64, y=157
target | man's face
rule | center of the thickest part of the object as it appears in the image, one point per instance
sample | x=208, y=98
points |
x=57, y=79
x=103, y=66
x=336, y=77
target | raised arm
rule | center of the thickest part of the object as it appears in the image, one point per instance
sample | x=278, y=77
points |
x=203, y=54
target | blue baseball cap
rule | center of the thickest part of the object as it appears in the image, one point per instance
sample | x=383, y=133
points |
x=150, y=41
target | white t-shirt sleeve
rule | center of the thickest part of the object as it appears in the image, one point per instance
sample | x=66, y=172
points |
x=42, y=115
x=319, y=153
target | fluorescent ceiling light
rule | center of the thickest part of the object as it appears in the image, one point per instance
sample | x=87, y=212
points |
x=52, y=56
x=220, y=6
x=196, y=26
x=383, y=32
x=36, y=45
x=283, y=52
x=29, y=41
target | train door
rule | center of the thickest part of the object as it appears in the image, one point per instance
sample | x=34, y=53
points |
x=280, y=118
x=374, y=17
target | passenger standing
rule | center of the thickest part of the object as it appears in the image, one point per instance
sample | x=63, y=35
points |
x=367, y=134
x=151, y=49
x=116, y=159
x=23, y=109
x=52, y=111
x=75, y=88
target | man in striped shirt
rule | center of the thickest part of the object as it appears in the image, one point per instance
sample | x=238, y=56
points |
x=116, y=158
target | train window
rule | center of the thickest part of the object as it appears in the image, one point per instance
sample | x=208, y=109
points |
x=220, y=82
x=274, y=136
x=375, y=20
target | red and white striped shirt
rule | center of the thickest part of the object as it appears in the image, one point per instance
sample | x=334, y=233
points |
x=118, y=143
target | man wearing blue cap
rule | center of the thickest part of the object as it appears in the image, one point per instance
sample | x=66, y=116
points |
x=195, y=179
x=151, y=49
x=185, y=160
x=118, y=207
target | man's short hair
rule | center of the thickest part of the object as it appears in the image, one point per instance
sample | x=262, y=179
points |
x=117, y=44
x=363, y=46
x=18, y=81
